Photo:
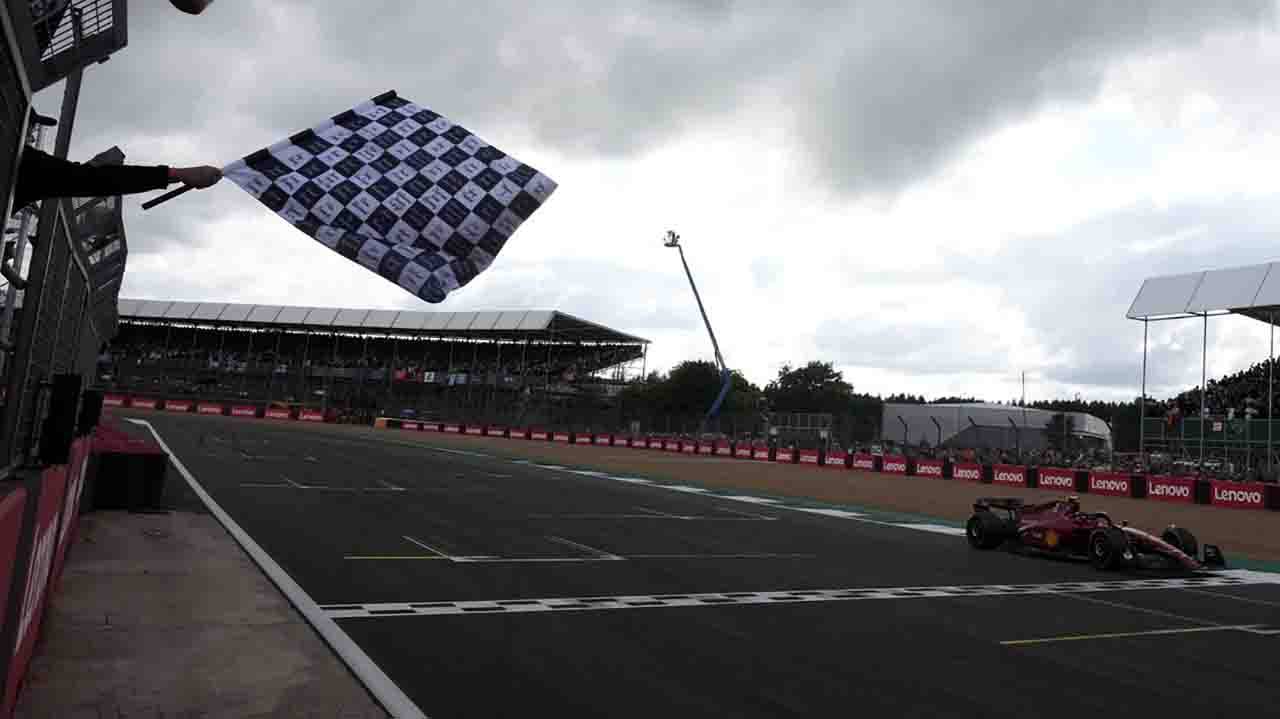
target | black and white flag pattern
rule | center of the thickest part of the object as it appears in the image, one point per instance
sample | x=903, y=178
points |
x=399, y=189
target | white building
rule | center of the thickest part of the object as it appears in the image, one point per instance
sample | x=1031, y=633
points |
x=981, y=425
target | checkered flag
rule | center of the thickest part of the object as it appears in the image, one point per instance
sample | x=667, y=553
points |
x=399, y=189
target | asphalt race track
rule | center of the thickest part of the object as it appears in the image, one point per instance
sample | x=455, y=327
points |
x=485, y=587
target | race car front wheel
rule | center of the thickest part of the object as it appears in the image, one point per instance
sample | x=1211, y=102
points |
x=984, y=531
x=1183, y=540
x=1109, y=549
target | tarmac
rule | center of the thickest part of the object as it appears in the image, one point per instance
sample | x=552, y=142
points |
x=163, y=615
x=484, y=585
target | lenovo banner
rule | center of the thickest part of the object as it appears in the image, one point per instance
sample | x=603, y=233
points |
x=602, y=439
x=744, y=450
x=177, y=405
x=966, y=471
x=929, y=468
x=1058, y=480
x=761, y=453
x=1110, y=483
x=475, y=429
x=561, y=437
x=277, y=413
x=1009, y=474
x=809, y=456
x=495, y=431
x=244, y=410
x=310, y=415
x=538, y=434
x=411, y=426
x=1241, y=495
x=892, y=464
x=39, y=564
x=455, y=428
x=112, y=400
x=1172, y=489
x=723, y=449
x=143, y=403
x=208, y=408
x=835, y=460
x=865, y=462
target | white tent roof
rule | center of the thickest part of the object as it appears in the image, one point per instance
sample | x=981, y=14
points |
x=1253, y=291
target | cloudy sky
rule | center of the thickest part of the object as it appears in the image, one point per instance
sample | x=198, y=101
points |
x=934, y=195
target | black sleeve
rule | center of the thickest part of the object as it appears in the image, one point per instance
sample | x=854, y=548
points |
x=41, y=175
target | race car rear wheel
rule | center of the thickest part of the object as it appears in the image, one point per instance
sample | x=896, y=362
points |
x=1183, y=540
x=1109, y=548
x=985, y=530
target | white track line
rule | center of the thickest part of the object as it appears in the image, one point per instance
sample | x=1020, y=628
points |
x=390, y=696
x=715, y=599
x=1127, y=635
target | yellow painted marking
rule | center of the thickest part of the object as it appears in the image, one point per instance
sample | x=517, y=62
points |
x=1122, y=635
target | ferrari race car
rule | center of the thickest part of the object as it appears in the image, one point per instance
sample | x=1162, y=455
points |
x=1059, y=528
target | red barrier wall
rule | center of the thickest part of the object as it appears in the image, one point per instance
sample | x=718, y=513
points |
x=309, y=415
x=835, y=460
x=723, y=448
x=864, y=462
x=143, y=403
x=1111, y=484
x=1239, y=495
x=1058, y=480
x=12, y=507
x=931, y=468
x=113, y=400
x=602, y=439
x=495, y=431
x=809, y=456
x=247, y=410
x=453, y=428
x=892, y=464
x=1171, y=489
x=561, y=437
x=744, y=451
x=688, y=447
x=1008, y=474
x=538, y=434
x=475, y=429
x=208, y=408
x=761, y=453
x=433, y=427
x=411, y=426
x=273, y=413
x=706, y=448
x=53, y=487
x=177, y=405
x=967, y=471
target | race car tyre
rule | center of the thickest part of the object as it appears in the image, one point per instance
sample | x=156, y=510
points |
x=1183, y=540
x=1108, y=547
x=985, y=531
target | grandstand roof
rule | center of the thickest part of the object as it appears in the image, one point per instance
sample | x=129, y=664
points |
x=1252, y=291
x=495, y=324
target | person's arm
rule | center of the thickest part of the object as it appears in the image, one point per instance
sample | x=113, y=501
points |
x=41, y=176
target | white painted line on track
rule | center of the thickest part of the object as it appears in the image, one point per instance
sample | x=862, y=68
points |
x=1253, y=628
x=718, y=599
x=385, y=691
x=935, y=528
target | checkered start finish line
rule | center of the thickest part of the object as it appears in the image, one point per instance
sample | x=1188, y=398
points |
x=398, y=189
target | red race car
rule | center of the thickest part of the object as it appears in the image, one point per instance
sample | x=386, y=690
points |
x=1059, y=528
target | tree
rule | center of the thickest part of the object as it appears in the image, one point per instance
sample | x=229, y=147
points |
x=815, y=387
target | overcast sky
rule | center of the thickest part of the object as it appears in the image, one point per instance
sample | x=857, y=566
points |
x=935, y=196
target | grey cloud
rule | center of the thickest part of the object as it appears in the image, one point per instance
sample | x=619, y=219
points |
x=881, y=94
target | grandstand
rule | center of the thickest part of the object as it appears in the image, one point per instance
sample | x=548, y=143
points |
x=480, y=366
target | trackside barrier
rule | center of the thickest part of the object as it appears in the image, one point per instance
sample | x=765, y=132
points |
x=247, y=410
x=1244, y=495
x=310, y=415
x=29, y=589
x=1171, y=489
x=177, y=405
x=13, y=510
x=967, y=471
x=143, y=403
x=276, y=413
x=1111, y=484
x=1238, y=495
x=1009, y=475
x=930, y=468
x=114, y=400
x=892, y=464
x=208, y=408
x=1056, y=479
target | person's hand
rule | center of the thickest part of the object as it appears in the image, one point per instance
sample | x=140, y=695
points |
x=198, y=177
